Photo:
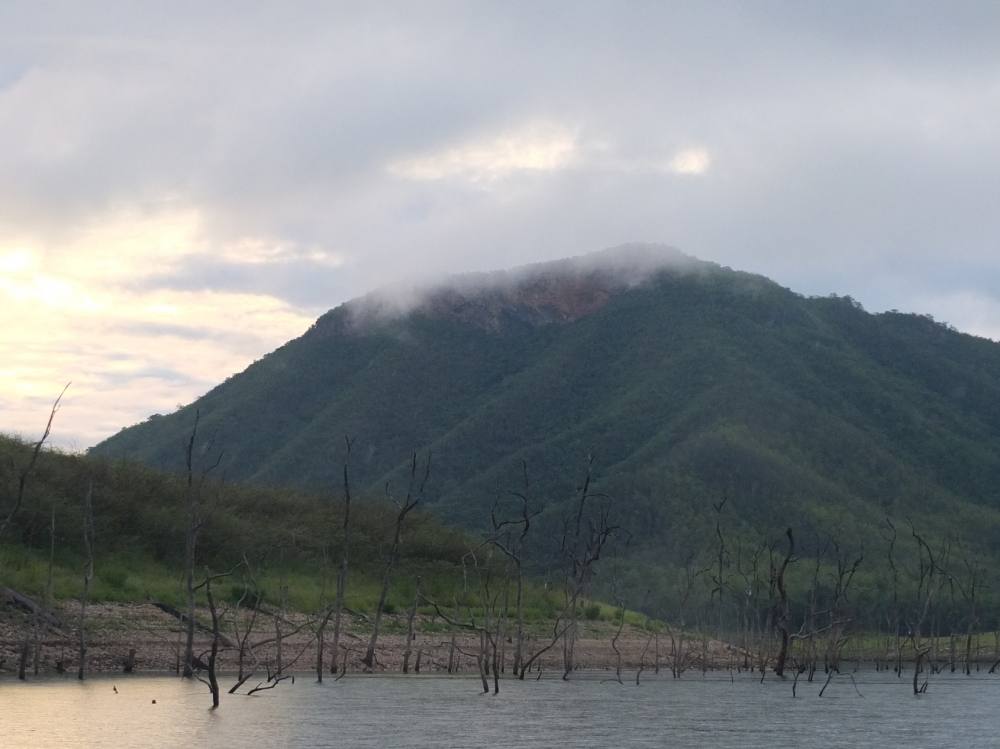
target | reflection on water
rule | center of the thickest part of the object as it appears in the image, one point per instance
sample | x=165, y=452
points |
x=448, y=712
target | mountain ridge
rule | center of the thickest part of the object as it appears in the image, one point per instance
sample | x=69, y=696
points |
x=688, y=382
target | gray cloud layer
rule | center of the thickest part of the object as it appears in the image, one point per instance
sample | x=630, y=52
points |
x=848, y=147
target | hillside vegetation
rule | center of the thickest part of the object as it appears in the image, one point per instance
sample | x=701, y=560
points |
x=689, y=383
x=292, y=539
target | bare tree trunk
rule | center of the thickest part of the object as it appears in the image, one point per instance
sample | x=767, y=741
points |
x=213, y=653
x=22, y=479
x=279, y=634
x=48, y=588
x=128, y=665
x=481, y=662
x=519, y=613
x=411, y=501
x=614, y=643
x=781, y=619
x=244, y=646
x=190, y=541
x=88, y=575
x=408, y=651
x=189, y=544
x=8, y=518
x=719, y=578
x=22, y=659
x=656, y=653
x=369, y=658
x=213, y=681
x=320, y=646
x=338, y=606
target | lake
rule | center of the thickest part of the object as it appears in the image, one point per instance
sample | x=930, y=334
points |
x=441, y=712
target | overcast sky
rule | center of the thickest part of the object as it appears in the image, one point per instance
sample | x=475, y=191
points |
x=186, y=185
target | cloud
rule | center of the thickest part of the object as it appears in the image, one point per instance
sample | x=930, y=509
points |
x=190, y=170
x=690, y=161
x=73, y=312
x=531, y=148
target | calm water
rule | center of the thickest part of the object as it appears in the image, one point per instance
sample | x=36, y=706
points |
x=447, y=712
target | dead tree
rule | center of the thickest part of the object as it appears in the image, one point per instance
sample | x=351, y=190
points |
x=834, y=619
x=621, y=626
x=48, y=587
x=810, y=627
x=338, y=606
x=896, y=619
x=195, y=521
x=582, y=549
x=560, y=627
x=838, y=618
x=653, y=637
x=718, y=578
x=25, y=473
x=969, y=588
x=410, y=636
x=5, y=522
x=414, y=494
x=212, y=682
x=750, y=618
x=324, y=620
x=242, y=637
x=512, y=546
x=679, y=655
x=486, y=642
x=782, y=614
x=926, y=588
x=88, y=575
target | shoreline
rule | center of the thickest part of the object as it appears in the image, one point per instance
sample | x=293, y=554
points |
x=116, y=629
x=153, y=640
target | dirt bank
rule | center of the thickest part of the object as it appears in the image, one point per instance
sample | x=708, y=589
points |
x=156, y=637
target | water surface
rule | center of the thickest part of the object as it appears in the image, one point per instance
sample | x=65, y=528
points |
x=445, y=712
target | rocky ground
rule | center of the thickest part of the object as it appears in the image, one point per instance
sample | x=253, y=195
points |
x=115, y=630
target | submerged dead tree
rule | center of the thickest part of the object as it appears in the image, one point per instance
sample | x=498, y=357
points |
x=719, y=574
x=195, y=521
x=8, y=518
x=969, y=586
x=414, y=494
x=582, y=544
x=242, y=634
x=335, y=611
x=927, y=570
x=491, y=628
x=88, y=575
x=680, y=656
x=782, y=613
x=410, y=623
x=338, y=605
x=212, y=680
x=895, y=614
x=509, y=537
x=47, y=600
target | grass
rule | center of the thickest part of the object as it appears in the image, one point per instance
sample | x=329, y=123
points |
x=123, y=578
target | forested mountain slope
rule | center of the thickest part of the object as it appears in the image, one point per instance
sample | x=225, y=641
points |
x=688, y=382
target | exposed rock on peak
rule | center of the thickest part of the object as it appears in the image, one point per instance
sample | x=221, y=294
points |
x=539, y=294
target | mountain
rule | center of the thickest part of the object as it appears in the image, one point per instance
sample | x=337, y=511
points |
x=688, y=382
